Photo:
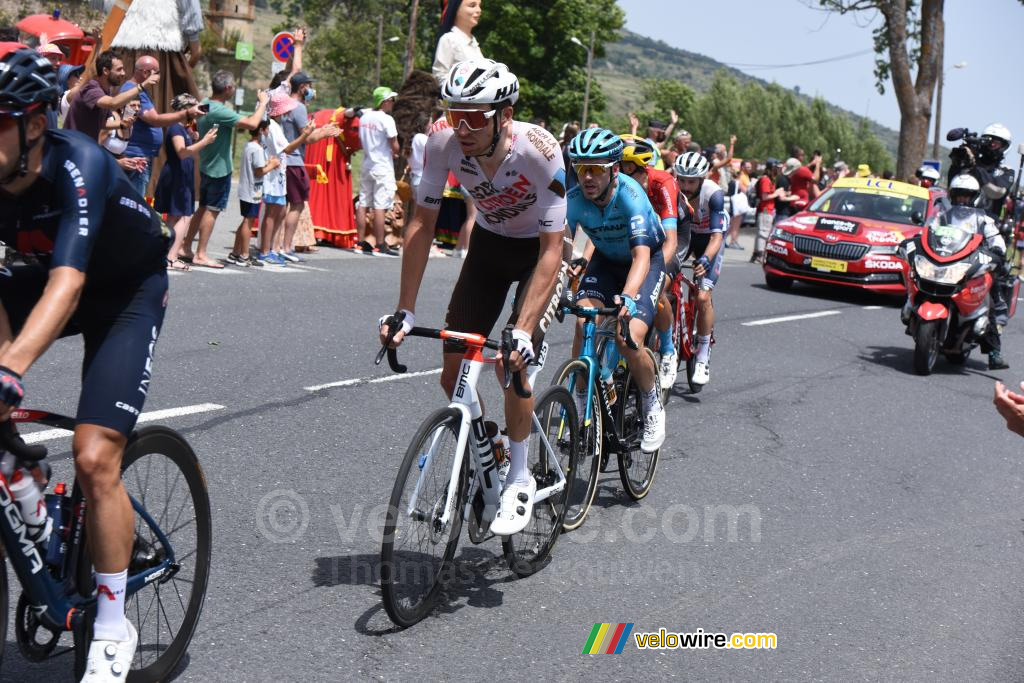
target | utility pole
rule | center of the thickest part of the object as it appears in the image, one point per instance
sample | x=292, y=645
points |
x=380, y=48
x=590, y=74
x=410, y=46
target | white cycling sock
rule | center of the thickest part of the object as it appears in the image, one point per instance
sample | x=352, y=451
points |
x=651, y=402
x=110, y=621
x=703, y=348
x=517, y=470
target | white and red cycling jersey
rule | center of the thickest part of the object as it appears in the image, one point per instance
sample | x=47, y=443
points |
x=527, y=194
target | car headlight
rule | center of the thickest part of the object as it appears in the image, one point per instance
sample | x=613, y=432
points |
x=946, y=275
x=780, y=234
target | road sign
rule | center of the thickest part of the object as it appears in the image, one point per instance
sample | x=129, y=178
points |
x=243, y=51
x=282, y=46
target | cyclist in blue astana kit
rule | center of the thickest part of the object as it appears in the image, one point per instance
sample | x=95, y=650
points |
x=84, y=254
x=624, y=260
x=514, y=173
x=705, y=214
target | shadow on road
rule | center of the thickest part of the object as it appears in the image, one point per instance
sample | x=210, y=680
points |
x=901, y=358
x=838, y=294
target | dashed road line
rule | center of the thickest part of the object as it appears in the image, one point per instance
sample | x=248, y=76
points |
x=372, y=380
x=790, y=318
x=152, y=416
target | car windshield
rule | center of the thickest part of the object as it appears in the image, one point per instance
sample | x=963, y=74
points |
x=860, y=203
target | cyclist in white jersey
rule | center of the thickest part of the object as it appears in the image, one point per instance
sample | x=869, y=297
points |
x=704, y=213
x=514, y=173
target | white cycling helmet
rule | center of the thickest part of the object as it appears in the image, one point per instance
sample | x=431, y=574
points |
x=965, y=182
x=480, y=81
x=691, y=165
x=998, y=130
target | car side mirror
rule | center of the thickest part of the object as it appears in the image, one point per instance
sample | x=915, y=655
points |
x=917, y=218
x=955, y=134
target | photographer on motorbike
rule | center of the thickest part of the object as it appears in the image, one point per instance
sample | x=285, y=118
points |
x=964, y=191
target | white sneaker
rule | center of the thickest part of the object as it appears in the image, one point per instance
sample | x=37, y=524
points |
x=701, y=373
x=110, y=660
x=667, y=370
x=515, y=509
x=654, y=431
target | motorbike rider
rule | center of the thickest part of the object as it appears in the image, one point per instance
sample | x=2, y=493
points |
x=926, y=176
x=985, y=165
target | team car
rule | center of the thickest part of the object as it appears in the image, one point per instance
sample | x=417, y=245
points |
x=849, y=235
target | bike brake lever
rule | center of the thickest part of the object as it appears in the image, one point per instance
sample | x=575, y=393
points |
x=12, y=442
x=394, y=324
x=513, y=379
x=626, y=335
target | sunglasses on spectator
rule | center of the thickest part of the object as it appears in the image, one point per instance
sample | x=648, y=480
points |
x=583, y=169
x=475, y=119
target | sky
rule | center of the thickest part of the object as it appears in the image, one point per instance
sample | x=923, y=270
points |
x=986, y=90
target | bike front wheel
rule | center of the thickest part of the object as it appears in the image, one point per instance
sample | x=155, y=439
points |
x=529, y=550
x=419, y=546
x=636, y=468
x=161, y=473
x=573, y=375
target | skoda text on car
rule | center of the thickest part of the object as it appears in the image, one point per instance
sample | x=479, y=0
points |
x=849, y=235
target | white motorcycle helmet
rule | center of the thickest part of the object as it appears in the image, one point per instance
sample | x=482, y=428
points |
x=996, y=138
x=964, y=185
x=928, y=173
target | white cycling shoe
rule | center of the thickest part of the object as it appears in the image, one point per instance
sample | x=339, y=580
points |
x=701, y=373
x=654, y=431
x=110, y=660
x=515, y=509
x=667, y=370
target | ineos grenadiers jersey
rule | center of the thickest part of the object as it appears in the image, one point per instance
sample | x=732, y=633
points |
x=527, y=194
x=627, y=221
x=707, y=214
x=82, y=212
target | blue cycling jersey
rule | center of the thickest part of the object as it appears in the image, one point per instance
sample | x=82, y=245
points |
x=627, y=221
x=82, y=212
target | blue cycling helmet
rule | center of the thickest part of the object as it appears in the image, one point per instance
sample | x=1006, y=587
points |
x=596, y=144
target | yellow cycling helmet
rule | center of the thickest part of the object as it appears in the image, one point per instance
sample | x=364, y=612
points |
x=637, y=150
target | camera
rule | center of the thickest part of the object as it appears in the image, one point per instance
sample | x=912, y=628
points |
x=966, y=154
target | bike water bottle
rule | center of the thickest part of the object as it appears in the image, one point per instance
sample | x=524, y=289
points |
x=33, y=508
x=57, y=546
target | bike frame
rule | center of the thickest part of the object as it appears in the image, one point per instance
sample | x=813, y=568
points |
x=466, y=400
x=55, y=600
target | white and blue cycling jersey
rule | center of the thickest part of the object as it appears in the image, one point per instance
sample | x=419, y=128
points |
x=708, y=216
x=627, y=221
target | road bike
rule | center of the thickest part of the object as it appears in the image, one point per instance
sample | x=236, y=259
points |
x=170, y=560
x=684, y=330
x=449, y=475
x=610, y=412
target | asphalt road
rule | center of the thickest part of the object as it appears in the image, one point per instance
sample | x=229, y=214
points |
x=817, y=489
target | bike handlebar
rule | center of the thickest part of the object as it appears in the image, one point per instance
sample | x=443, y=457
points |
x=566, y=306
x=12, y=442
x=394, y=324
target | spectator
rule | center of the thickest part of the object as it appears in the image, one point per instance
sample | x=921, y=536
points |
x=803, y=182
x=888, y=175
x=416, y=149
x=657, y=133
x=90, y=108
x=215, y=164
x=147, y=134
x=767, y=193
x=281, y=82
x=255, y=166
x=839, y=170
x=379, y=139
x=569, y=131
x=739, y=204
x=1011, y=406
x=275, y=183
x=69, y=78
x=455, y=41
x=721, y=173
x=174, y=192
x=52, y=52
x=297, y=130
x=785, y=203
x=863, y=171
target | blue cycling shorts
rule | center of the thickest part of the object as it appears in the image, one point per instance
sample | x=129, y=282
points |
x=605, y=279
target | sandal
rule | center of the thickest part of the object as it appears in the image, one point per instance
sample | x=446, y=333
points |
x=178, y=264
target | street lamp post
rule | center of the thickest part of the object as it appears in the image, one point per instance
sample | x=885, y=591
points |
x=380, y=47
x=590, y=73
x=938, y=108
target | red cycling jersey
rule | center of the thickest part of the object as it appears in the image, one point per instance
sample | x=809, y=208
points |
x=663, y=192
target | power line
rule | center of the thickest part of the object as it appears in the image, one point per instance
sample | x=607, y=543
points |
x=787, y=66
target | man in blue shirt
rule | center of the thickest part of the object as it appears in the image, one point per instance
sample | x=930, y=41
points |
x=624, y=263
x=147, y=134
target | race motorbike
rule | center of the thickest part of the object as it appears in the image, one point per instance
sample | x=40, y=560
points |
x=948, y=271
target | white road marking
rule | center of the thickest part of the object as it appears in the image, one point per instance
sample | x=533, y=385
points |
x=873, y=308
x=153, y=416
x=373, y=380
x=789, y=318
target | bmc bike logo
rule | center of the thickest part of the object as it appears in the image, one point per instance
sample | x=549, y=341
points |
x=17, y=524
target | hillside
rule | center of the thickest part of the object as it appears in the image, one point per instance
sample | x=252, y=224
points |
x=635, y=57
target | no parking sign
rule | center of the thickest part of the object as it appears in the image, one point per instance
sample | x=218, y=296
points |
x=282, y=46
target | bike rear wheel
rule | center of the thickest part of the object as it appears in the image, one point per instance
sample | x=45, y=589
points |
x=161, y=472
x=636, y=468
x=573, y=375
x=417, y=552
x=529, y=550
